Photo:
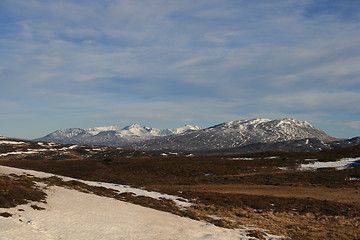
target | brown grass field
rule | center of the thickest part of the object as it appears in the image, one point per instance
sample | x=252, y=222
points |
x=318, y=204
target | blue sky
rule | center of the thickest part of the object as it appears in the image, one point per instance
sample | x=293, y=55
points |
x=160, y=63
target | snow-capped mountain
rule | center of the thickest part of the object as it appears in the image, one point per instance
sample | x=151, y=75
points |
x=112, y=135
x=251, y=133
x=236, y=134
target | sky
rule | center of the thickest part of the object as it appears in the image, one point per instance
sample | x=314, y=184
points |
x=164, y=64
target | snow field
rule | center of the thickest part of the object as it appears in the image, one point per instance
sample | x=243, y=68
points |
x=70, y=214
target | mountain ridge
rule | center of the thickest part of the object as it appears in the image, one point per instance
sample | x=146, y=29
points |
x=236, y=134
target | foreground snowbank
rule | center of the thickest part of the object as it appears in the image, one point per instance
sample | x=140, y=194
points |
x=117, y=187
x=70, y=214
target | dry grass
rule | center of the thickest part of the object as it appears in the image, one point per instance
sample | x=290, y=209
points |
x=16, y=190
x=297, y=226
x=340, y=195
x=320, y=204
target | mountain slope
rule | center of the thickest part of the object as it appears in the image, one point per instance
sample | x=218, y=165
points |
x=237, y=134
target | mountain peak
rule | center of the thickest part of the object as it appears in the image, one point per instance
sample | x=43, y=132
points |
x=97, y=130
x=185, y=129
x=134, y=125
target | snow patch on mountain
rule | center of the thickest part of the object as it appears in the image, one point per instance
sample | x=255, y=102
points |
x=97, y=130
x=138, y=131
x=186, y=128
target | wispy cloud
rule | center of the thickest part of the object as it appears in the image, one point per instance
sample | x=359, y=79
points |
x=354, y=124
x=319, y=101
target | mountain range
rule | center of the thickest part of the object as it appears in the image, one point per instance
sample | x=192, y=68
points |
x=112, y=135
x=249, y=135
x=236, y=135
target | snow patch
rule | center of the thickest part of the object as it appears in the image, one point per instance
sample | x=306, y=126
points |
x=284, y=168
x=339, y=165
x=215, y=217
x=186, y=128
x=29, y=151
x=353, y=179
x=11, y=142
x=182, y=202
x=96, y=149
x=68, y=148
x=97, y=130
x=243, y=158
